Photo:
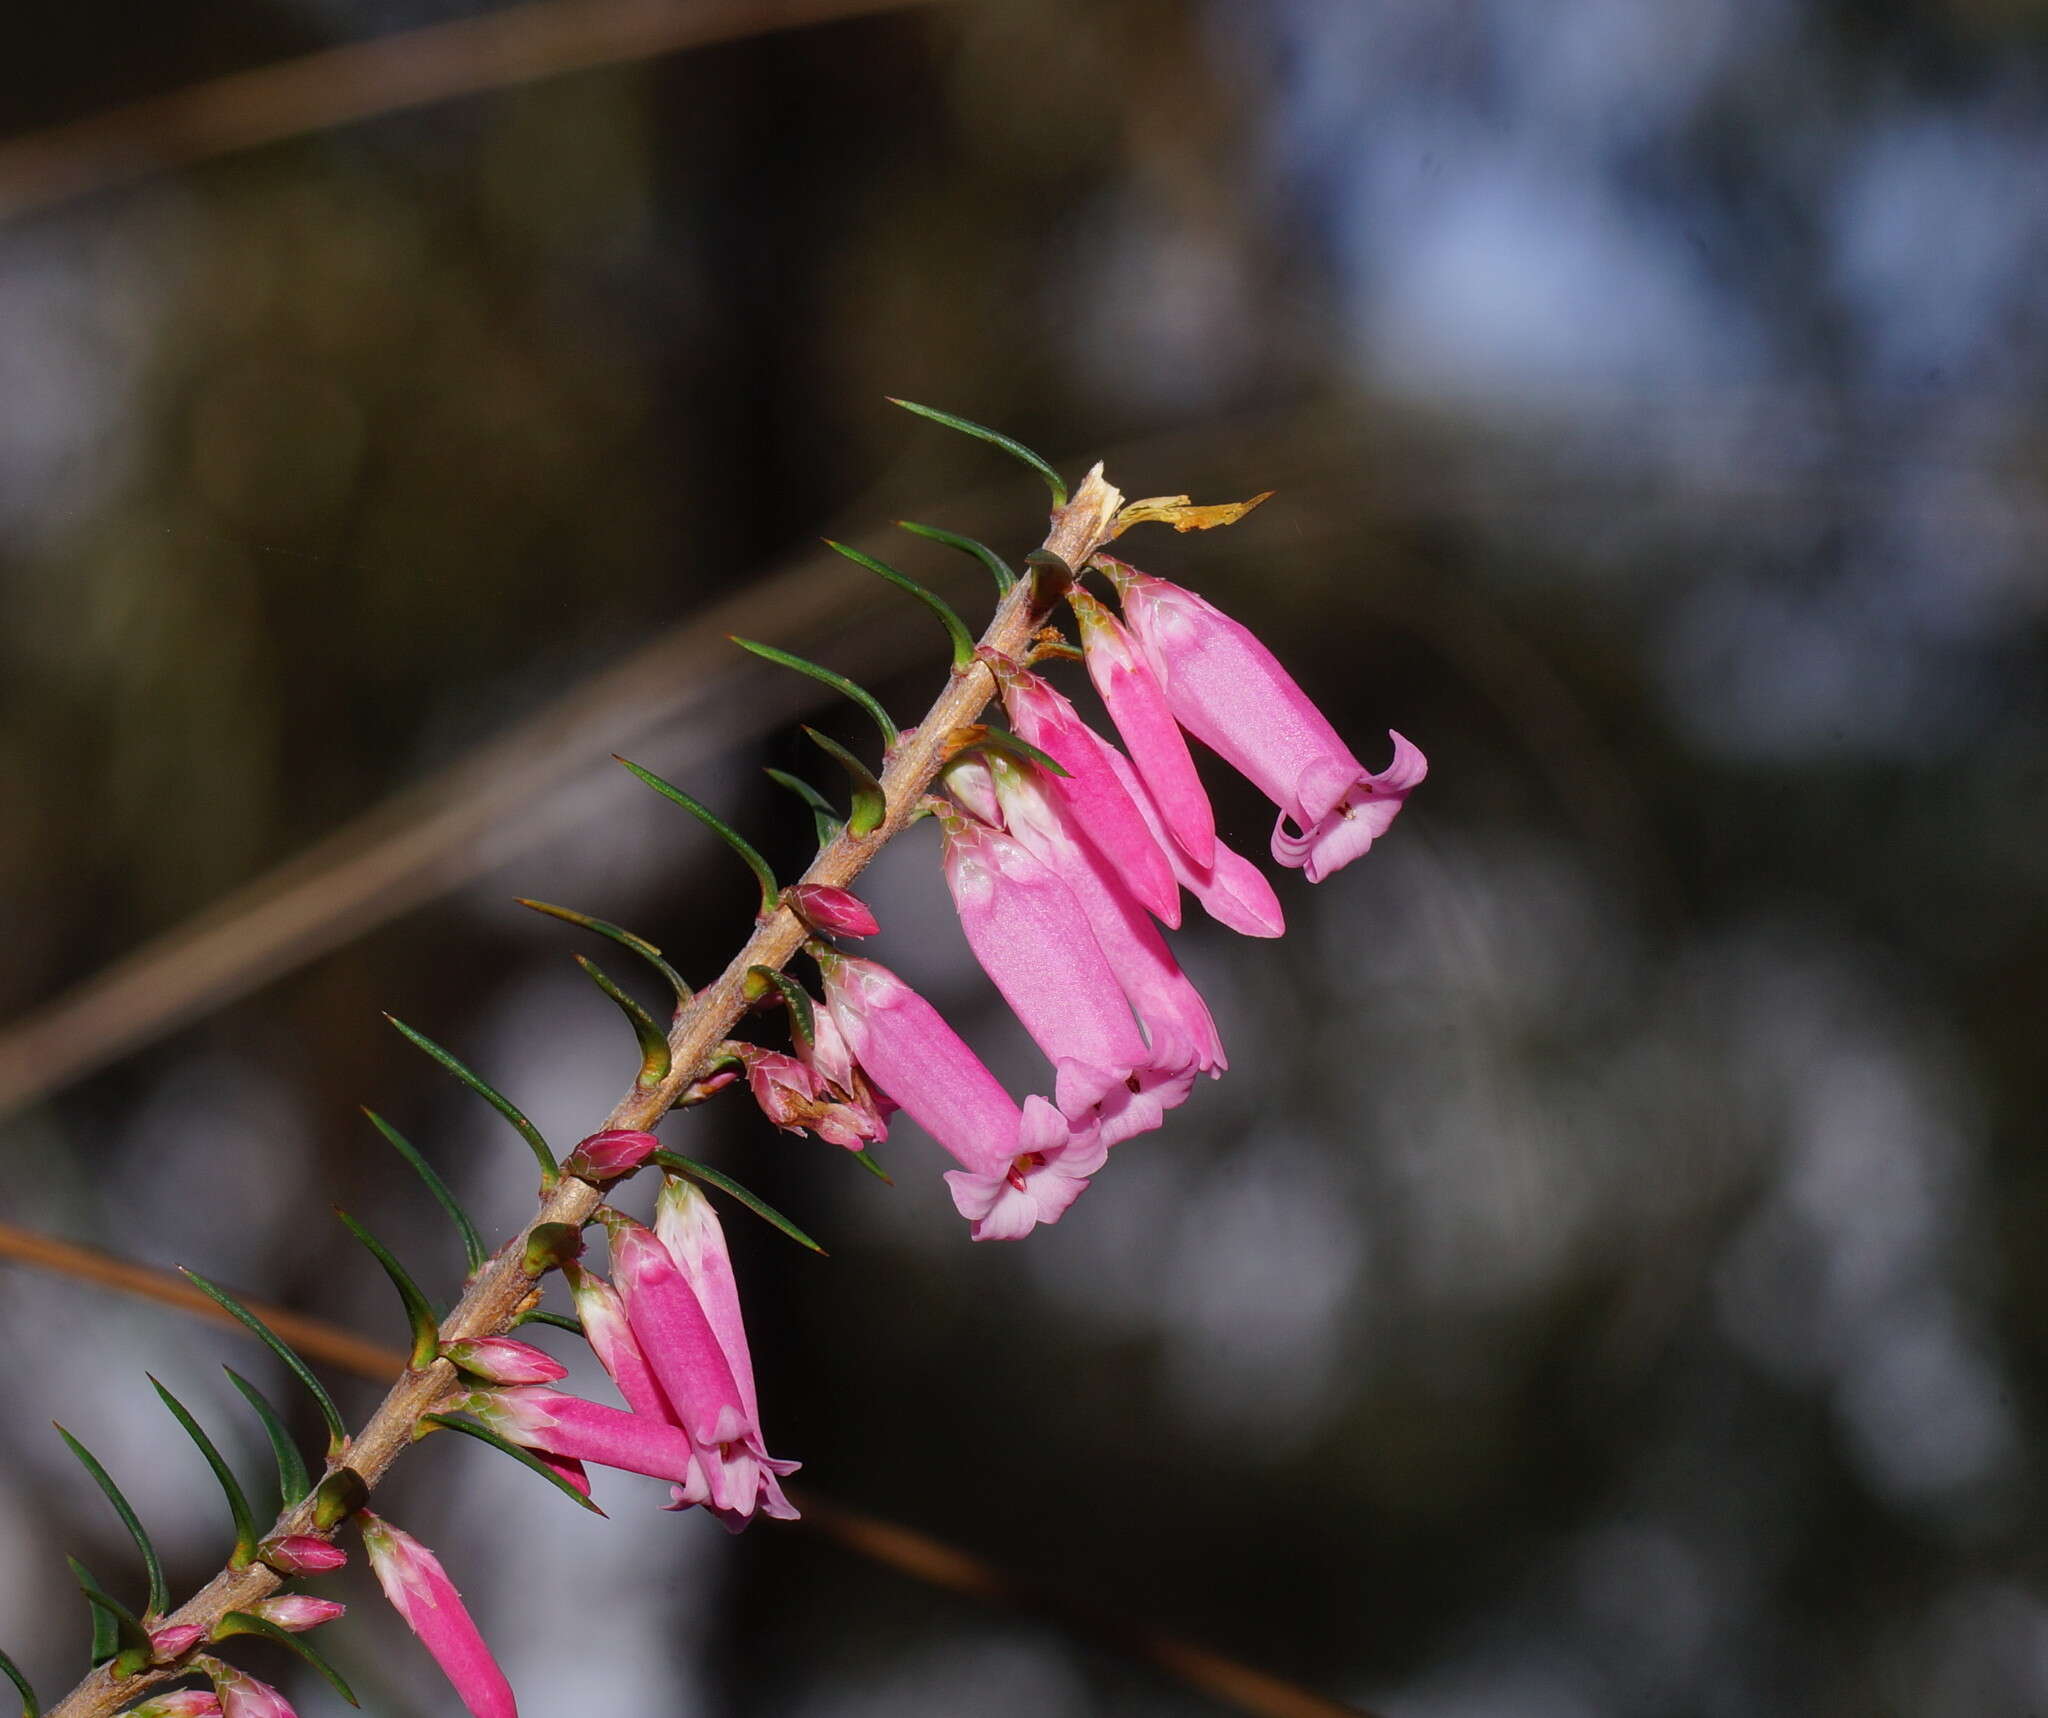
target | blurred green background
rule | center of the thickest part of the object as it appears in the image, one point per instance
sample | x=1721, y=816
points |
x=1607, y=1284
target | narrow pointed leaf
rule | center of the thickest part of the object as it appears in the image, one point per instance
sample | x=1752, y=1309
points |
x=653, y=1041
x=231, y=1488
x=999, y=569
x=870, y=803
x=526, y=1458
x=419, y=1314
x=293, y=1481
x=31, y=1707
x=988, y=736
x=826, y=677
x=725, y=1184
x=802, y=1021
x=549, y=1169
x=337, y=1432
x=624, y=938
x=770, y=895
x=560, y=1320
x=159, y=1593
x=340, y=1493
x=995, y=438
x=472, y=1243
x=824, y=814
x=956, y=628
x=866, y=1159
x=247, y=1622
x=117, y=1632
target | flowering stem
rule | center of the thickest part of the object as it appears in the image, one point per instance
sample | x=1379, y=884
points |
x=501, y=1291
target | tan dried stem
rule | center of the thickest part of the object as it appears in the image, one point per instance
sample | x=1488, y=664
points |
x=500, y=1290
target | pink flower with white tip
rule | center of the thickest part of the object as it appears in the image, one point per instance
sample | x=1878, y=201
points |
x=420, y=1591
x=505, y=1360
x=297, y=1612
x=244, y=1696
x=179, y=1703
x=1230, y=692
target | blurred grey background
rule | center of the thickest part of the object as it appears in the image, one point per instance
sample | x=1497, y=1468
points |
x=1606, y=1285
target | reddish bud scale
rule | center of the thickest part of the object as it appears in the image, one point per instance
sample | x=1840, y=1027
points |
x=608, y=1155
x=301, y=1554
x=836, y=912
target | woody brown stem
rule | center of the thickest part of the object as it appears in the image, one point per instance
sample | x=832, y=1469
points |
x=500, y=1291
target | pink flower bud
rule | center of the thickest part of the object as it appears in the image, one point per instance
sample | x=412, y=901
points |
x=608, y=1155
x=420, y=1591
x=298, y=1611
x=179, y=1703
x=503, y=1360
x=243, y=1696
x=301, y=1554
x=175, y=1641
x=833, y=911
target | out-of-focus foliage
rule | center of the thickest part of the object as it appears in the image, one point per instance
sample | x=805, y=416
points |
x=1605, y=1283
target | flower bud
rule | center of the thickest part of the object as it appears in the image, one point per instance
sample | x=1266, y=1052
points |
x=297, y=1612
x=301, y=1554
x=502, y=1360
x=608, y=1155
x=244, y=1696
x=179, y=1703
x=833, y=911
x=175, y=1641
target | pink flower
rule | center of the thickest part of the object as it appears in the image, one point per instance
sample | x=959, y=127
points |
x=420, y=1591
x=504, y=1360
x=179, y=1703
x=540, y=1419
x=923, y=1065
x=243, y=1696
x=1100, y=804
x=611, y=1339
x=1137, y=706
x=175, y=1641
x=1229, y=691
x=796, y=1099
x=833, y=911
x=298, y=1611
x=1233, y=891
x=301, y=1554
x=608, y=1155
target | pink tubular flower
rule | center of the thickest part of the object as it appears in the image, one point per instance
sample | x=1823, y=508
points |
x=420, y=1591
x=301, y=1554
x=608, y=1155
x=611, y=1339
x=836, y=912
x=1229, y=691
x=540, y=1419
x=175, y=1641
x=1137, y=706
x=179, y=1703
x=243, y=1696
x=922, y=1064
x=297, y=1612
x=1100, y=804
x=1168, y=1006
x=505, y=1360
x=1233, y=891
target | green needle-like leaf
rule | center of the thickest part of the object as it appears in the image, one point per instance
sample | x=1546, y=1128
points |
x=725, y=1184
x=653, y=1041
x=526, y=1458
x=870, y=804
x=956, y=628
x=293, y=1481
x=771, y=896
x=472, y=1243
x=245, y=1622
x=337, y=1432
x=550, y=1171
x=802, y=1020
x=824, y=814
x=624, y=938
x=31, y=1707
x=999, y=739
x=159, y=1593
x=238, y=1505
x=117, y=1632
x=999, y=569
x=866, y=1159
x=560, y=1320
x=995, y=438
x=825, y=677
x=340, y=1493
x=419, y=1311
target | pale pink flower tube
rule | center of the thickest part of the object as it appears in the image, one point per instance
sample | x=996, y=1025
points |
x=1230, y=692
x=420, y=1591
x=1233, y=891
